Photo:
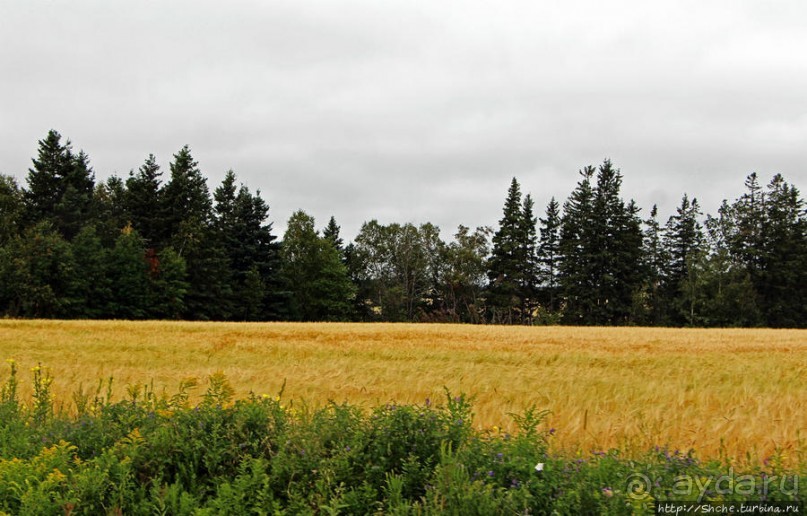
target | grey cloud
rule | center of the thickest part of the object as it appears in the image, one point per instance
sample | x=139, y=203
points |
x=415, y=110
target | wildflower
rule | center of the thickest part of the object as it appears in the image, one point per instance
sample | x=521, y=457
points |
x=539, y=467
x=10, y=361
x=495, y=429
x=608, y=492
x=551, y=431
x=491, y=473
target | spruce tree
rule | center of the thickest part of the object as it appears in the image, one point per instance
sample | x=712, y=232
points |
x=528, y=291
x=11, y=208
x=576, y=265
x=92, y=285
x=508, y=262
x=251, y=251
x=650, y=306
x=110, y=214
x=730, y=297
x=60, y=186
x=129, y=274
x=549, y=260
x=189, y=216
x=145, y=204
x=331, y=233
x=684, y=247
x=783, y=274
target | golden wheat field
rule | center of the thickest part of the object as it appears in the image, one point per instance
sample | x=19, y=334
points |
x=738, y=394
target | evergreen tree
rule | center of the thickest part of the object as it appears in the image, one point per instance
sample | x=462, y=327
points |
x=60, y=186
x=189, y=215
x=508, y=264
x=730, y=298
x=615, y=250
x=189, y=209
x=92, y=287
x=145, y=204
x=167, y=284
x=528, y=291
x=684, y=246
x=650, y=306
x=75, y=207
x=549, y=260
x=331, y=233
x=747, y=241
x=251, y=251
x=783, y=262
x=129, y=273
x=576, y=265
x=601, y=249
x=110, y=214
x=11, y=209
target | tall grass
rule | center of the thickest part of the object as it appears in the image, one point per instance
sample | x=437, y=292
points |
x=739, y=395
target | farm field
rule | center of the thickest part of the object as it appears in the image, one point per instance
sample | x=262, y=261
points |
x=740, y=395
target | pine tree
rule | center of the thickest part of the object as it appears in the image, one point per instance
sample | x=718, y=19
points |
x=11, y=209
x=60, y=186
x=129, y=274
x=189, y=216
x=528, y=291
x=651, y=309
x=684, y=246
x=549, y=260
x=110, y=214
x=188, y=209
x=145, y=204
x=730, y=298
x=167, y=284
x=783, y=260
x=331, y=233
x=508, y=262
x=251, y=251
x=576, y=265
x=92, y=286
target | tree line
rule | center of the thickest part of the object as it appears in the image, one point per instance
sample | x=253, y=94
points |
x=150, y=246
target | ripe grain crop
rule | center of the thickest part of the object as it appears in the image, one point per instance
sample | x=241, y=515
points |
x=739, y=394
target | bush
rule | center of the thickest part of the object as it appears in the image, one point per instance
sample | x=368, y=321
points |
x=160, y=455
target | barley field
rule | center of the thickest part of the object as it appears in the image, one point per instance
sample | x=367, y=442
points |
x=739, y=395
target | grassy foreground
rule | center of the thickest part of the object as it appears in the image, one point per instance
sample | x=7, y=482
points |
x=153, y=454
x=735, y=395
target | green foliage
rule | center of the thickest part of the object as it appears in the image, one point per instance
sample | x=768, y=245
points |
x=395, y=267
x=11, y=208
x=314, y=274
x=160, y=455
x=512, y=268
x=206, y=257
x=601, y=250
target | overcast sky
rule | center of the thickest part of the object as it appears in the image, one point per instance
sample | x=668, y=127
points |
x=414, y=111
